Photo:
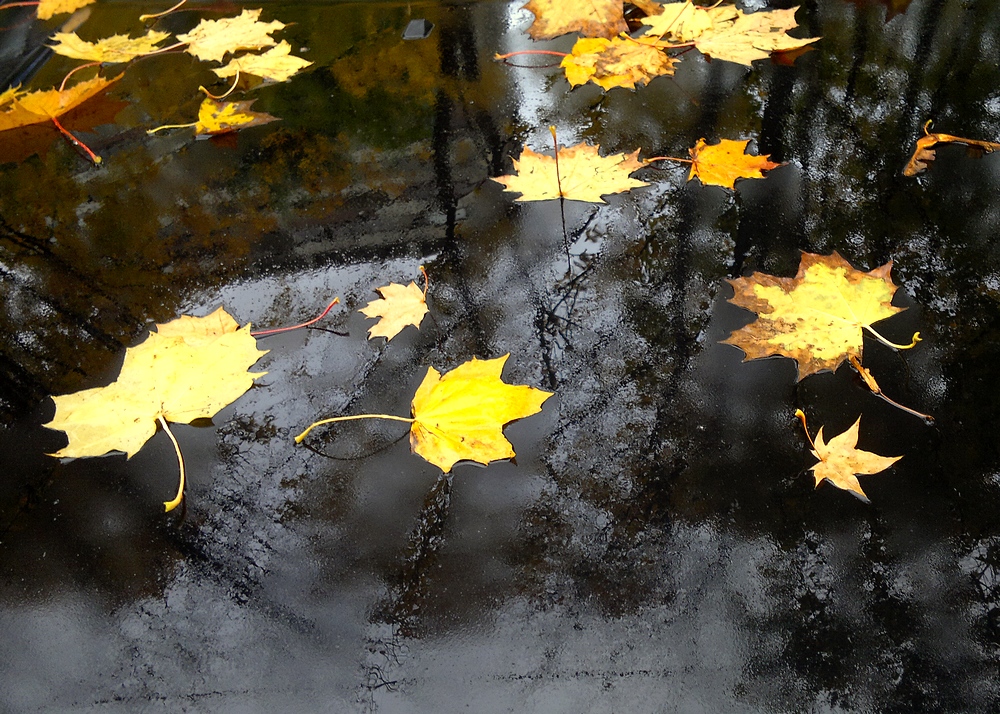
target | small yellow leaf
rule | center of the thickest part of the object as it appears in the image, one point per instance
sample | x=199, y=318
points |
x=618, y=62
x=840, y=460
x=10, y=94
x=117, y=48
x=222, y=117
x=212, y=39
x=460, y=416
x=818, y=317
x=721, y=164
x=276, y=65
x=591, y=18
x=681, y=21
x=190, y=369
x=43, y=105
x=48, y=8
x=401, y=305
x=584, y=174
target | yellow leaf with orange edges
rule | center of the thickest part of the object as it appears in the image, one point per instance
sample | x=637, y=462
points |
x=212, y=39
x=591, y=18
x=817, y=318
x=583, y=173
x=222, y=117
x=117, y=48
x=276, y=65
x=44, y=105
x=840, y=460
x=401, y=305
x=48, y=8
x=721, y=164
x=618, y=62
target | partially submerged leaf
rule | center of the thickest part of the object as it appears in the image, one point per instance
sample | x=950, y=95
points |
x=48, y=8
x=584, y=174
x=212, y=39
x=591, y=18
x=840, y=460
x=818, y=317
x=725, y=32
x=223, y=117
x=400, y=305
x=618, y=62
x=460, y=416
x=276, y=65
x=721, y=164
x=924, y=152
x=46, y=104
x=117, y=48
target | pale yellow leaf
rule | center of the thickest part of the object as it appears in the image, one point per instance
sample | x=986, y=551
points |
x=212, y=39
x=48, y=8
x=276, y=65
x=117, y=48
x=401, y=305
x=840, y=460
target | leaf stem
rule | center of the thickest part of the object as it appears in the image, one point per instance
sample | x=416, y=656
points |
x=300, y=437
x=913, y=343
x=427, y=281
x=801, y=415
x=19, y=4
x=275, y=331
x=555, y=144
x=171, y=126
x=172, y=504
x=75, y=70
x=530, y=52
x=232, y=89
x=668, y=158
x=143, y=18
x=76, y=142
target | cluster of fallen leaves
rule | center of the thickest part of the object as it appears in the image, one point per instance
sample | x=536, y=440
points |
x=239, y=38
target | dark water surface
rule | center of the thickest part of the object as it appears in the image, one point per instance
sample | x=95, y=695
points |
x=659, y=545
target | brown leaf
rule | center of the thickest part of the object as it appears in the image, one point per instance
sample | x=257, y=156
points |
x=924, y=153
x=591, y=18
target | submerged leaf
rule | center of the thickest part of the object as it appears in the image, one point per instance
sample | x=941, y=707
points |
x=721, y=164
x=117, y=48
x=583, y=173
x=840, y=460
x=818, y=317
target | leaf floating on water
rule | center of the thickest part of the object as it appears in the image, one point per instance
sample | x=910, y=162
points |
x=222, y=117
x=275, y=65
x=840, y=461
x=591, y=18
x=190, y=368
x=48, y=8
x=817, y=318
x=400, y=305
x=618, y=62
x=460, y=416
x=583, y=174
x=47, y=104
x=117, y=48
x=212, y=39
x=721, y=164
x=924, y=152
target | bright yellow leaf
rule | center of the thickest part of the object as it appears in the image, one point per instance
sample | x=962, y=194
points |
x=48, y=8
x=584, y=174
x=840, y=460
x=591, y=18
x=618, y=62
x=725, y=32
x=190, y=369
x=212, y=39
x=460, y=416
x=721, y=164
x=401, y=305
x=117, y=48
x=817, y=318
x=276, y=65
x=10, y=94
x=44, y=105
x=222, y=117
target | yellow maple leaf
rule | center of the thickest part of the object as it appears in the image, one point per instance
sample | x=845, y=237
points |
x=222, y=117
x=591, y=18
x=618, y=62
x=721, y=164
x=584, y=174
x=212, y=39
x=840, y=460
x=189, y=369
x=46, y=104
x=460, y=416
x=817, y=318
x=48, y=8
x=10, y=94
x=725, y=32
x=276, y=65
x=401, y=305
x=117, y=48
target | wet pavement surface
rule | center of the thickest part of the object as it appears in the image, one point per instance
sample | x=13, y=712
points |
x=658, y=546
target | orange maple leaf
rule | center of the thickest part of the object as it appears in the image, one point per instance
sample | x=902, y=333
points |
x=924, y=153
x=721, y=164
x=49, y=104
